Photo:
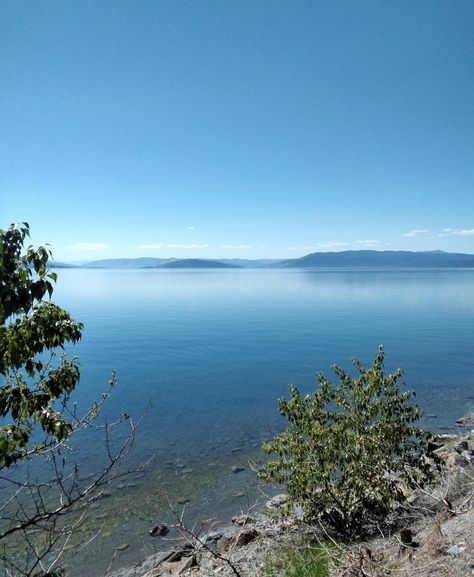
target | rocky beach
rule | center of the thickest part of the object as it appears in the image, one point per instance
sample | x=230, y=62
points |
x=431, y=534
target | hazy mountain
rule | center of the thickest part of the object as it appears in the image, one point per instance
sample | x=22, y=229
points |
x=375, y=258
x=151, y=262
x=247, y=263
x=343, y=259
x=197, y=263
x=127, y=262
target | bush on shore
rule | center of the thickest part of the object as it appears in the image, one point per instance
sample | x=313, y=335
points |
x=349, y=448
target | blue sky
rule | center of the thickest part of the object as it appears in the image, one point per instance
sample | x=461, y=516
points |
x=238, y=128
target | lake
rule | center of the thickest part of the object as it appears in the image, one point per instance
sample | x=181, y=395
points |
x=210, y=352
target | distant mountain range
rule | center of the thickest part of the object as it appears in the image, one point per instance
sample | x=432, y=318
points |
x=375, y=258
x=150, y=262
x=343, y=259
x=197, y=263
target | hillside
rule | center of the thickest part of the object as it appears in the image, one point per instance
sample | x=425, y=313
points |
x=374, y=258
x=197, y=263
x=127, y=262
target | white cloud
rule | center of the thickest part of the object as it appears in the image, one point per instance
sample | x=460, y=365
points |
x=153, y=246
x=161, y=245
x=235, y=246
x=367, y=243
x=89, y=246
x=191, y=227
x=457, y=232
x=416, y=232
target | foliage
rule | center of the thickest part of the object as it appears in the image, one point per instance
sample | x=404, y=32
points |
x=31, y=329
x=302, y=561
x=43, y=508
x=349, y=447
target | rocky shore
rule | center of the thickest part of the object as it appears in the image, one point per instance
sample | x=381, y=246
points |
x=432, y=535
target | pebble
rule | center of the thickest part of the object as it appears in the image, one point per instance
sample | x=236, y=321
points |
x=183, y=501
x=123, y=546
x=455, y=550
x=237, y=469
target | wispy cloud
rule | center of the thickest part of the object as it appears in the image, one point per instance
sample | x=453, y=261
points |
x=162, y=245
x=368, y=243
x=236, y=246
x=330, y=244
x=89, y=246
x=457, y=232
x=416, y=232
x=191, y=227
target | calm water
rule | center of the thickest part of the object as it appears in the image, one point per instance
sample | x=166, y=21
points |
x=213, y=350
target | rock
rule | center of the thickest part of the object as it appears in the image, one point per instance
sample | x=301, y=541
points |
x=277, y=501
x=159, y=530
x=467, y=420
x=237, y=469
x=183, y=501
x=246, y=537
x=243, y=520
x=462, y=446
x=213, y=537
x=446, y=438
x=443, y=454
x=455, y=550
x=123, y=546
x=455, y=460
x=238, y=494
x=406, y=537
x=224, y=544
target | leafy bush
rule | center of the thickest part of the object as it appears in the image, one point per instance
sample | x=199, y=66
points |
x=349, y=447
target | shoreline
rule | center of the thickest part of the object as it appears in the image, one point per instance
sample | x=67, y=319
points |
x=252, y=536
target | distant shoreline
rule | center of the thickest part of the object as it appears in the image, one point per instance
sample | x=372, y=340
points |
x=357, y=259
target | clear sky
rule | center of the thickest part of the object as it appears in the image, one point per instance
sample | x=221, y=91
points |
x=237, y=128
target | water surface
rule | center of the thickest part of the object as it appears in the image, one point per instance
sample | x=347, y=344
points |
x=212, y=350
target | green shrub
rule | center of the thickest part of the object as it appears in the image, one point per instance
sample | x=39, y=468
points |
x=349, y=447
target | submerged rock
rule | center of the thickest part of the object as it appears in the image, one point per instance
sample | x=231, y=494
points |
x=159, y=530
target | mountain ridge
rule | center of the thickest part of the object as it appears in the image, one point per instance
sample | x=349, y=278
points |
x=340, y=259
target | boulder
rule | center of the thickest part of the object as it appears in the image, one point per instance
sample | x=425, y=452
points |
x=277, y=501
